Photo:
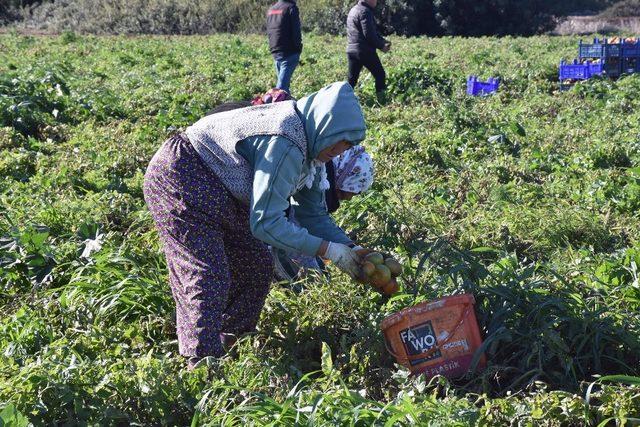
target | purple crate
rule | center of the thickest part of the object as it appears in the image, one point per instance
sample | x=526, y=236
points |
x=476, y=87
x=575, y=71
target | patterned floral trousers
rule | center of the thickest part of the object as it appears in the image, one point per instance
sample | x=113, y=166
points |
x=218, y=272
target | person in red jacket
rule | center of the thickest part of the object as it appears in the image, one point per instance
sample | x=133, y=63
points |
x=285, y=39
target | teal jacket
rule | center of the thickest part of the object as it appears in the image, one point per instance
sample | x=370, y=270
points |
x=330, y=115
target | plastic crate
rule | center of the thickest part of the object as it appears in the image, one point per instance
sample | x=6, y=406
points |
x=574, y=71
x=612, y=67
x=598, y=49
x=476, y=87
x=595, y=68
x=631, y=50
x=630, y=65
x=609, y=68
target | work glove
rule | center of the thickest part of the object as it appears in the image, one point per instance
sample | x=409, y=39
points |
x=345, y=258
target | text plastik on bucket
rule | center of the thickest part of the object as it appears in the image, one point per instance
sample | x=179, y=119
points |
x=435, y=338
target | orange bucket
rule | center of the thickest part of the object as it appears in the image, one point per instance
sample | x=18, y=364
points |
x=435, y=338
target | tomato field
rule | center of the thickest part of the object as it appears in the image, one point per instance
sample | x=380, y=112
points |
x=528, y=199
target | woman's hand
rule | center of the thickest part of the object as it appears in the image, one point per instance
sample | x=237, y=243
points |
x=344, y=257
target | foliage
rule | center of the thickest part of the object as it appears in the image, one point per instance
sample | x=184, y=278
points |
x=402, y=17
x=528, y=199
x=467, y=17
x=622, y=9
x=394, y=16
x=149, y=17
x=10, y=9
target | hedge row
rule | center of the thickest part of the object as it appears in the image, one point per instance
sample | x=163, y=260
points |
x=405, y=17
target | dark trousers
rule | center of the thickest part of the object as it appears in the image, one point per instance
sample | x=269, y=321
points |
x=371, y=62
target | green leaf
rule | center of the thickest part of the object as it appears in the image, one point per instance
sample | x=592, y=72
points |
x=327, y=361
x=625, y=379
x=537, y=413
x=518, y=129
x=11, y=417
x=605, y=422
x=195, y=421
x=39, y=235
x=483, y=249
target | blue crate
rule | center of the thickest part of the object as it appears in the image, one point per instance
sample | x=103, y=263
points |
x=630, y=65
x=596, y=68
x=609, y=68
x=574, y=71
x=479, y=88
x=598, y=49
x=612, y=67
x=631, y=50
x=578, y=70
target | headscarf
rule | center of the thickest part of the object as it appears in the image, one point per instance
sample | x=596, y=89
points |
x=331, y=115
x=354, y=170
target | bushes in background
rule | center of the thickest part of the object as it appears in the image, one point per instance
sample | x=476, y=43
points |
x=148, y=16
x=623, y=9
x=406, y=17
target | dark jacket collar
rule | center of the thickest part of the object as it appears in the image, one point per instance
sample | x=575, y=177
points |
x=364, y=3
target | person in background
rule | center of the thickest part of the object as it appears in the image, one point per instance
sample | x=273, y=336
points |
x=285, y=39
x=349, y=174
x=218, y=193
x=362, y=42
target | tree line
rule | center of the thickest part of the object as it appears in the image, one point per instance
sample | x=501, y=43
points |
x=404, y=17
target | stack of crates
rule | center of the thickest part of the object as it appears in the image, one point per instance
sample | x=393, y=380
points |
x=608, y=57
x=609, y=54
x=630, y=56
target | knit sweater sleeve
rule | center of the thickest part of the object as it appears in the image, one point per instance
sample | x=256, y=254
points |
x=277, y=165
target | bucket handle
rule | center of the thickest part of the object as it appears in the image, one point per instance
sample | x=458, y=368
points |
x=435, y=348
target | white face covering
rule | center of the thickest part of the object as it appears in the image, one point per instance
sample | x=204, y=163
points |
x=354, y=170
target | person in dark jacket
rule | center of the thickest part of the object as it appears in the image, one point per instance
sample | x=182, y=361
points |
x=285, y=39
x=362, y=41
